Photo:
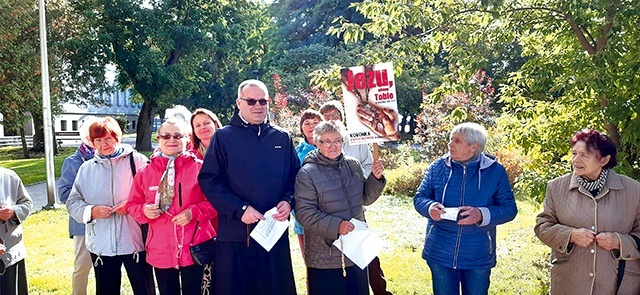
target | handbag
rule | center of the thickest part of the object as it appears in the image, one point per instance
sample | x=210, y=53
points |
x=203, y=253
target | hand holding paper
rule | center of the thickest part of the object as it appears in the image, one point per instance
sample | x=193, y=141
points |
x=268, y=231
x=360, y=245
x=450, y=213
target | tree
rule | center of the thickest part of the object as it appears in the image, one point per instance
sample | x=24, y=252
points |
x=579, y=65
x=20, y=71
x=439, y=116
x=161, y=49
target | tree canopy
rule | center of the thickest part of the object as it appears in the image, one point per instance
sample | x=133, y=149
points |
x=163, y=50
x=577, y=65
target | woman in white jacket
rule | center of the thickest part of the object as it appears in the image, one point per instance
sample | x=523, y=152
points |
x=15, y=206
x=97, y=199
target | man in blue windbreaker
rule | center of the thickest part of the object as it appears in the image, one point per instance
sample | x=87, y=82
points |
x=465, y=194
x=250, y=167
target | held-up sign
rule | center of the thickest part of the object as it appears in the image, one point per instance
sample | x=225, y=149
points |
x=370, y=103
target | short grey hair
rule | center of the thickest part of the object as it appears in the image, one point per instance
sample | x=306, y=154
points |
x=253, y=82
x=183, y=126
x=328, y=126
x=472, y=133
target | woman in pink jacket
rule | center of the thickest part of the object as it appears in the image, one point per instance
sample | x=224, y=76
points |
x=166, y=195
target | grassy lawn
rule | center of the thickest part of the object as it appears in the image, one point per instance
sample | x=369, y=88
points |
x=521, y=257
x=31, y=170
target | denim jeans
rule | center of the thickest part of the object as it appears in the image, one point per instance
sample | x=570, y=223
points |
x=447, y=281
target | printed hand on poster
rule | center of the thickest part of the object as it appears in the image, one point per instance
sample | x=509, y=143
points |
x=382, y=121
x=371, y=108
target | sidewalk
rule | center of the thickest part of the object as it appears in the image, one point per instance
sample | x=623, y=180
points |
x=38, y=192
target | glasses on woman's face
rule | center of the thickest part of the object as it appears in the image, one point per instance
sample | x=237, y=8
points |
x=167, y=136
x=331, y=115
x=252, y=102
x=329, y=143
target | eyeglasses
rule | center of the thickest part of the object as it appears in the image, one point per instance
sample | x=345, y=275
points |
x=331, y=115
x=167, y=136
x=252, y=102
x=328, y=143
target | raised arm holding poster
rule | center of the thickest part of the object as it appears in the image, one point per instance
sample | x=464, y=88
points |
x=370, y=104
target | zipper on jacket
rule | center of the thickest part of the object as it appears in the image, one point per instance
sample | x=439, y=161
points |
x=456, y=252
x=114, y=242
x=180, y=194
x=344, y=189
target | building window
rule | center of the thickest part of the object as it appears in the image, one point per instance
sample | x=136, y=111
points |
x=133, y=124
x=63, y=125
x=74, y=125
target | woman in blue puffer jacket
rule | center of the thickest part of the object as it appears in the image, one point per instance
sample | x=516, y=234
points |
x=465, y=194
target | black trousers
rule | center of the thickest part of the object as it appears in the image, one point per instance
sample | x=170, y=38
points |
x=14, y=279
x=108, y=271
x=251, y=270
x=376, y=278
x=332, y=281
x=170, y=280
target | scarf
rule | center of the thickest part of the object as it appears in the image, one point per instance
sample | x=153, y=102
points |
x=594, y=186
x=166, y=188
x=118, y=151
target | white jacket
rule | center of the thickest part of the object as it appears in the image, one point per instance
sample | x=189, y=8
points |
x=107, y=181
x=13, y=194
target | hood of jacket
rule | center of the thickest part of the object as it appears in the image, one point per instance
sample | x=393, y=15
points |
x=238, y=121
x=85, y=152
x=316, y=157
x=484, y=161
x=126, y=150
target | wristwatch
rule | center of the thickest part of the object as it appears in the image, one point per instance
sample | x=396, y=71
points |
x=244, y=207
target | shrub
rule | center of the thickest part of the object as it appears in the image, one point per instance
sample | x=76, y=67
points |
x=513, y=161
x=404, y=180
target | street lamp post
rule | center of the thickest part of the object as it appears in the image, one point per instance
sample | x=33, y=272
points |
x=46, y=112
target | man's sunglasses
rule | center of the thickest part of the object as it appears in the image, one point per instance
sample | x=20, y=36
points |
x=167, y=136
x=252, y=102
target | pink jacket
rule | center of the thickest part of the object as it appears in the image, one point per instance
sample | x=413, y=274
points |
x=168, y=244
x=196, y=152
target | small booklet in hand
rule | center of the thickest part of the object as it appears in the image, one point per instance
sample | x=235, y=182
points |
x=451, y=213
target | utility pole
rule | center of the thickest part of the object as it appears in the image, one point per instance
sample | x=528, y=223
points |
x=46, y=113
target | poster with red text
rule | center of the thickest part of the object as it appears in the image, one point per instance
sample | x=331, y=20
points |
x=370, y=103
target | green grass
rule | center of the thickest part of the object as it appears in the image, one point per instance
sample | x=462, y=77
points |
x=521, y=265
x=522, y=258
x=31, y=170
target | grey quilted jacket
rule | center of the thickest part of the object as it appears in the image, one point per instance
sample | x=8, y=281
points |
x=328, y=192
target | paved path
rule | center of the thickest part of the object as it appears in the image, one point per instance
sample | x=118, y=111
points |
x=38, y=192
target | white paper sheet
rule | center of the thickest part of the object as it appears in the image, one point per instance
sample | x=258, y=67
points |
x=450, y=213
x=361, y=245
x=268, y=231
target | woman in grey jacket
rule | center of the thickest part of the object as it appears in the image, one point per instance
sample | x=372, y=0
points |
x=97, y=199
x=330, y=190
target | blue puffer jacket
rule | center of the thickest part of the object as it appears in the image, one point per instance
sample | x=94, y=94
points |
x=68, y=173
x=482, y=184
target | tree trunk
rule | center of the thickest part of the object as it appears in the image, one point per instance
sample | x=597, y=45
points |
x=403, y=123
x=38, y=133
x=412, y=125
x=143, y=130
x=25, y=150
